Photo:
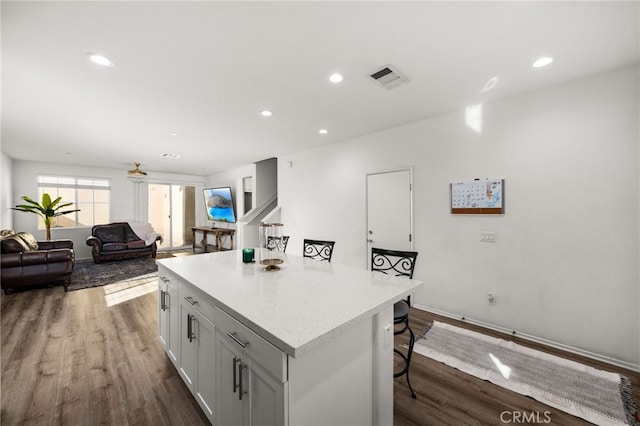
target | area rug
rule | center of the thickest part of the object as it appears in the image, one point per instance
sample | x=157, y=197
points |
x=597, y=396
x=87, y=274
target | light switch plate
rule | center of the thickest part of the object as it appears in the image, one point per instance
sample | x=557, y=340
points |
x=487, y=237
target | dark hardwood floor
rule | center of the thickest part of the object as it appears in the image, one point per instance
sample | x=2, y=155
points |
x=446, y=396
x=69, y=359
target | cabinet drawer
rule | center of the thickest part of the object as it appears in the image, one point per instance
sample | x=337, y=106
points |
x=255, y=347
x=196, y=298
x=167, y=277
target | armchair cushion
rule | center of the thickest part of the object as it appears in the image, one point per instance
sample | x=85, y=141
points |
x=114, y=246
x=136, y=244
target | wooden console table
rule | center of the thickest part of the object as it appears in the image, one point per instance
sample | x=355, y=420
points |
x=218, y=232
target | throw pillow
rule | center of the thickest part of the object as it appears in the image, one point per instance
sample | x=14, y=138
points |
x=14, y=244
x=5, y=233
x=29, y=240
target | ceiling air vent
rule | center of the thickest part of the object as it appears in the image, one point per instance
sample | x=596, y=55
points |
x=388, y=77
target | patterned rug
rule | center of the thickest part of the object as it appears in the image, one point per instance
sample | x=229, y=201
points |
x=597, y=396
x=87, y=274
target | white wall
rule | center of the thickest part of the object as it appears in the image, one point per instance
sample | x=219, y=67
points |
x=122, y=197
x=565, y=264
x=6, y=193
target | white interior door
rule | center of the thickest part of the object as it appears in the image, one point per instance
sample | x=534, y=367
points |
x=389, y=211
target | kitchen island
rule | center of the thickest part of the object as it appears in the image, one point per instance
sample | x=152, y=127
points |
x=311, y=343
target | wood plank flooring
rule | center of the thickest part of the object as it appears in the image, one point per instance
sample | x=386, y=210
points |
x=446, y=396
x=68, y=359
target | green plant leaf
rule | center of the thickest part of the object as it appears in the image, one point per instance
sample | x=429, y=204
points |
x=65, y=212
x=46, y=200
x=47, y=209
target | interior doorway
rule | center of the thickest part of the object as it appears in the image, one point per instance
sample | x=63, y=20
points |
x=172, y=213
x=390, y=211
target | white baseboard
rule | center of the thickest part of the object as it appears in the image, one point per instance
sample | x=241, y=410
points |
x=551, y=343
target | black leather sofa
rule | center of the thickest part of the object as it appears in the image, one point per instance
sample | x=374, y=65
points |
x=29, y=263
x=115, y=241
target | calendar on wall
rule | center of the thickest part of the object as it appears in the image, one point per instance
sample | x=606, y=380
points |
x=479, y=196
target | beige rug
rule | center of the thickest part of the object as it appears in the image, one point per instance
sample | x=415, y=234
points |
x=597, y=396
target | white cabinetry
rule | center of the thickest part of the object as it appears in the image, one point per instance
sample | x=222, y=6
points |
x=197, y=346
x=168, y=313
x=252, y=381
x=187, y=333
x=282, y=351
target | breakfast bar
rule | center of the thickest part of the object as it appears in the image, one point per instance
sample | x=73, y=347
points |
x=311, y=343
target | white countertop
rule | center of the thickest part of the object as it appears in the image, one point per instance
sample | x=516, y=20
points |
x=298, y=307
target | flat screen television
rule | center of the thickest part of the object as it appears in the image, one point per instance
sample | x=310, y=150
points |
x=218, y=204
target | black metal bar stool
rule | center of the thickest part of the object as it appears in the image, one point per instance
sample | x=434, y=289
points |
x=399, y=263
x=318, y=249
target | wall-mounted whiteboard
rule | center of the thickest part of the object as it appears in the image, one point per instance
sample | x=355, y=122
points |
x=479, y=196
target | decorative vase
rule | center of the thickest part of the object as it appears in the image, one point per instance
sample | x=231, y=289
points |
x=271, y=248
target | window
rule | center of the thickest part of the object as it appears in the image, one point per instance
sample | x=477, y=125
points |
x=90, y=195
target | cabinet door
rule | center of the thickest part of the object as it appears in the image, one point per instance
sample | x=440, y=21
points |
x=163, y=313
x=188, y=349
x=231, y=382
x=173, y=309
x=205, y=335
x=168, y=317
x=266, y=397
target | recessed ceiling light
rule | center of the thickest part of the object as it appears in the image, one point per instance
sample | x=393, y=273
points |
x=100, y=60
x=266, y=113
x=323, y=131
x=542, y=62
x=174, y=134
x=336, y=78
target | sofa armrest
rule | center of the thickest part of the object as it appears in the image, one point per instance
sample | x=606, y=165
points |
x=55, y=244
x=94, y=241
x=37, y=257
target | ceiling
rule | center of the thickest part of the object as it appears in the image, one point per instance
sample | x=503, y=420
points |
x=191, y=78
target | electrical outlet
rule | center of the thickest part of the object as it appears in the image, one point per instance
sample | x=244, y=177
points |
x=491, y=298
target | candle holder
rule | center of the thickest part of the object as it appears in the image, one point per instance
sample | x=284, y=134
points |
x=271, y=253
x=248, y=255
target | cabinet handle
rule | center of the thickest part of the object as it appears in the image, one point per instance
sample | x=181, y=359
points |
x=233, y=336
x=191, y=301
x=190, y=331
x=238, y=365
x=163, y=304
x=165, y=279
x=241, y=392
x=235, y=378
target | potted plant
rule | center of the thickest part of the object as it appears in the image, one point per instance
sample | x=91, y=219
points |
x=47, y=209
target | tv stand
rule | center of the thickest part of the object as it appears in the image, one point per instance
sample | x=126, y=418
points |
x=218, y=232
